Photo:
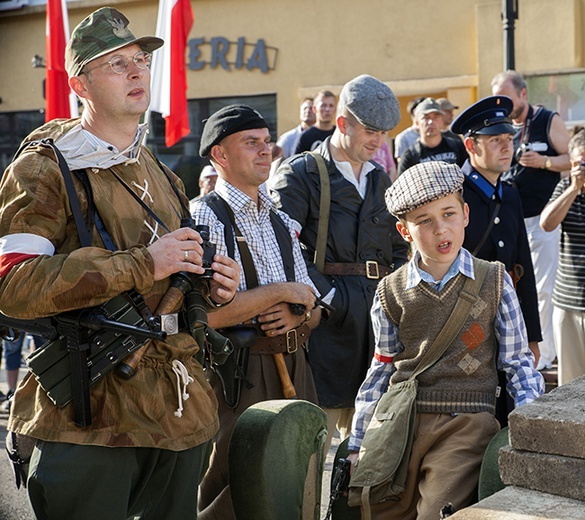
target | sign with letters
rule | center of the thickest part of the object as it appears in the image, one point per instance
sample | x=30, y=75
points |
x=220, y=52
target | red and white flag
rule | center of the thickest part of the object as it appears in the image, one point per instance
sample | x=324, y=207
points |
x=60, y=100
x=169, y=68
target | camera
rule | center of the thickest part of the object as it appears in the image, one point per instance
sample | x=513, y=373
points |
x=209, y=250
x=537, y=146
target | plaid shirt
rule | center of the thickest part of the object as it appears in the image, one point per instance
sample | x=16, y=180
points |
x=515, y=358
x=254, y=223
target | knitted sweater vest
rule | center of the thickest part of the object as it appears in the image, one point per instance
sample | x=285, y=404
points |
x=464, y=380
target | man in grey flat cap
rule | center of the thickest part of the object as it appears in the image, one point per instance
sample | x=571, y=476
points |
x=349, y=239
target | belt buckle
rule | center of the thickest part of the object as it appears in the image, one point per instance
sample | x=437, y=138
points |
x=292, y=342
x=372, y=264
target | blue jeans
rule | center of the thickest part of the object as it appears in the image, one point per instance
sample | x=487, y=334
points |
x=13, y=350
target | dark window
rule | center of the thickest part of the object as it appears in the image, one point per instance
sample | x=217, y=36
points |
x=14, y=127
x=183, y=158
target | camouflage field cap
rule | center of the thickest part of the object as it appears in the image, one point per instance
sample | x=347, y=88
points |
x=103, y=31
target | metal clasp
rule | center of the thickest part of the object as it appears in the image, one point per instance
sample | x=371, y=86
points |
x=372, y=265
x=292, y=342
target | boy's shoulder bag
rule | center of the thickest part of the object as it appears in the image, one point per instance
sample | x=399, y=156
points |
x=381, y=470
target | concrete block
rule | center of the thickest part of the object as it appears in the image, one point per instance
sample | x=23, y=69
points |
x=554, y=423
x=554, y=474
x=514, y=503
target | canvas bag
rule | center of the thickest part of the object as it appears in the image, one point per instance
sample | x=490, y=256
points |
x=381, y=471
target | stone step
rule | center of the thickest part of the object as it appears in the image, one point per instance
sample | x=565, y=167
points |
x=553, y=424
x=554, y=474
x=514, y=503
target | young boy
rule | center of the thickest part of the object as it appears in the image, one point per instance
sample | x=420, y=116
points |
x=456, y=396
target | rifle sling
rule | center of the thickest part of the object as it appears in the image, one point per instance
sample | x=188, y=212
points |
x=78, y=348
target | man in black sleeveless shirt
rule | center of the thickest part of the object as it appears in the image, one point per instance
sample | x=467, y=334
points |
x=541, y=154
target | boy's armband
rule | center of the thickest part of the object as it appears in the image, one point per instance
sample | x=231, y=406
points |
x=383, y=359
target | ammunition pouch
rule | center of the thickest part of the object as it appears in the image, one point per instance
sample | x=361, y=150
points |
x=219, y=347
x=105, y=347
x=234, y=369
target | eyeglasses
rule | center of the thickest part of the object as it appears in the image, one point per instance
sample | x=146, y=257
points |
x=119, y=64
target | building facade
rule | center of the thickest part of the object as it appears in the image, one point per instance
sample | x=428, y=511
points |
x=272, y=54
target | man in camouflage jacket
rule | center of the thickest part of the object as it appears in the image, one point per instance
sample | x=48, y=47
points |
x=160, y=440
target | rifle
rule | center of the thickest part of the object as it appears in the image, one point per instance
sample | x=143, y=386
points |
x=10, y=328
x=339, y=483
x=50, y=328
x=82, y=347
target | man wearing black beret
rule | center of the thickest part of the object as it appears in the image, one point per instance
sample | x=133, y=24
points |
x=276, y=297
x=496, y=228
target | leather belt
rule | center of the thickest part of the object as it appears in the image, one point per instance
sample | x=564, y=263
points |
x=370, y=269
x=283, y=343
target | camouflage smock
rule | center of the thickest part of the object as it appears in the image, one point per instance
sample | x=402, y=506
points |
x=135, y=412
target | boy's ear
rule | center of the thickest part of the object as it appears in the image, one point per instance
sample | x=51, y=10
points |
x=465, y=214
x=403, y=230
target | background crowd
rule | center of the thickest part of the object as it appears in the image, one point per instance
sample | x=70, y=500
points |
x=305, y=231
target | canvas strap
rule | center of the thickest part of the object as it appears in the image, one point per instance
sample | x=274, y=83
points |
x=324, y=212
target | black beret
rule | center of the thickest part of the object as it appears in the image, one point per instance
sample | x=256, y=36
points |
x=489, y=116
x=227, y=121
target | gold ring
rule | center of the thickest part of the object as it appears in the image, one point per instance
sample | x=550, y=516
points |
x=186, y=256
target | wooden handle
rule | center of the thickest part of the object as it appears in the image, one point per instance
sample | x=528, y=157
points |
x=288, y=389
x=169, y=302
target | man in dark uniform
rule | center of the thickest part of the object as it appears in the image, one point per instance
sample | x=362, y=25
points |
x=496, y=229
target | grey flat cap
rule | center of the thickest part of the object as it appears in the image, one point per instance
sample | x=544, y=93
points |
x=372, y=103
x=421, y=184
x=426, y=106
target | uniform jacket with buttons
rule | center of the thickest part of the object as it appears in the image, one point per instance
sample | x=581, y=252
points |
x=341, y=348
x=507, y=241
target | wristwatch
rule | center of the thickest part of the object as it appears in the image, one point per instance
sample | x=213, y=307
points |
x=548, y=163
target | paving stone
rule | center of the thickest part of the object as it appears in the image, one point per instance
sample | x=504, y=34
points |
x=554, y=423
x=514, y=503
x=563, y=476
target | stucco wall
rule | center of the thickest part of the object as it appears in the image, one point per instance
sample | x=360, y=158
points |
x=451, y=47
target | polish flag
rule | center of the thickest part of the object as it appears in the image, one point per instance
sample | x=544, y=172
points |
x=169, y=68
x=60, y=100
